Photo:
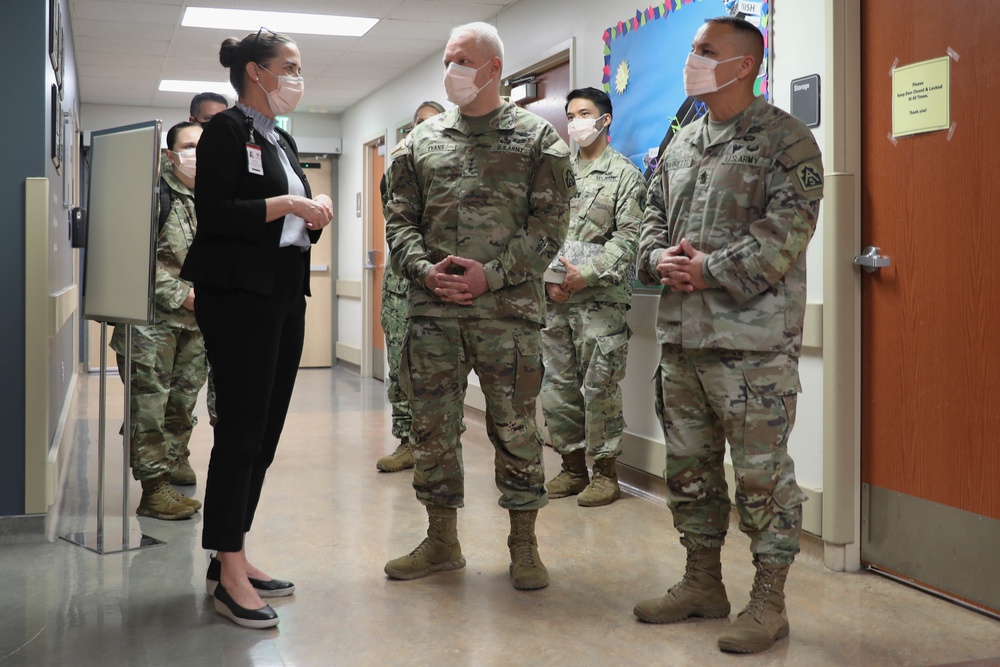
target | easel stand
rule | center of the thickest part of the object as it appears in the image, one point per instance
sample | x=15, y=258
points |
x=128, y=536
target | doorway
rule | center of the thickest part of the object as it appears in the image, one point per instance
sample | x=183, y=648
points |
x=376, y=255
x=930, y=446
x=551, y=88
x=317, y=349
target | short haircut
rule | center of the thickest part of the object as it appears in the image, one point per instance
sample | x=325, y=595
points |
x=598, y=97
x=430, y=104
x=201, y=98
x=747, y=33
x=487, y=37
x=175, y=130
x=259, y=47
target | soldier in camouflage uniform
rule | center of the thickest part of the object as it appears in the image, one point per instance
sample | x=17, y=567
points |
x=585, y=340
x=732, y=206
x=393, y=317
x=478, y=205
x=169, y=365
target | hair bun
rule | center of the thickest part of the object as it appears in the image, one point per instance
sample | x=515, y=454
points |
x=227, y=51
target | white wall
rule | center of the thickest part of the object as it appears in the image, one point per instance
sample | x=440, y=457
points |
x=534, y=27
x=799, y=49
x=378, y=115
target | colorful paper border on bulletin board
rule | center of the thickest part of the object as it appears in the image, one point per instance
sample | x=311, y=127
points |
x=643, y=63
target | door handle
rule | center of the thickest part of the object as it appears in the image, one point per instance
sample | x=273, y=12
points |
x=871, y=260
x=370, y=264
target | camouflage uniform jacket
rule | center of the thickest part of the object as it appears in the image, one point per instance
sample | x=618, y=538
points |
x=749, y=200
x=495, y=190
x=607, y=209
x=392, y=282
x=171, y=251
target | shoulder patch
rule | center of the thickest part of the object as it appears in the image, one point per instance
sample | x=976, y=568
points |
x=809, y=177
x=557, y=148
x=570, y=180
x=399, y=150
x=802, y=150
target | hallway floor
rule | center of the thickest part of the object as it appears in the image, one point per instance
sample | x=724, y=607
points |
x=328, y=521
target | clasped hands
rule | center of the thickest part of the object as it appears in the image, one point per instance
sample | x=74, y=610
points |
x=573, y=282
x=680, y=268
x=317, y=212
x=457, y=280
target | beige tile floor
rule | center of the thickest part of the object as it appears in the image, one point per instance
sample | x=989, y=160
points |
x=329, y=522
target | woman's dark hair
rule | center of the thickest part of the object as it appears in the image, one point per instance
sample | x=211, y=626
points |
x=259, y=47
x=175, y=130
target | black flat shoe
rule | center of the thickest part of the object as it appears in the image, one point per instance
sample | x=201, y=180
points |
x=265, y=617
x=275, y=588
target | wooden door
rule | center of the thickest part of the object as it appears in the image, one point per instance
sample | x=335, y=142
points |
x=377, y=253
x=317, y=349
x=553, y=86
x=931, y=321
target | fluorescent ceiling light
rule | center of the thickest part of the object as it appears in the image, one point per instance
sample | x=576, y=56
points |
x=286, y=22
x=181, y=86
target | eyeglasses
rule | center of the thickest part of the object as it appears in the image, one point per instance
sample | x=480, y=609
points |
x=253, y=47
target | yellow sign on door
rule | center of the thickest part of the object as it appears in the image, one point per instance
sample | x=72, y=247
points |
x=921, y=97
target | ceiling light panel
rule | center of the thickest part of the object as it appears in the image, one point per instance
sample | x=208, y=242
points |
x=285, y=22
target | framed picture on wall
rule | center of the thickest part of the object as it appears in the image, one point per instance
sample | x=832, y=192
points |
x=60, y=52
x=56, y=128
x=55, y=20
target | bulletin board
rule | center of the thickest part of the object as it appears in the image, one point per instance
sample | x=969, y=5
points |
x=120, y=257
x=644, y=59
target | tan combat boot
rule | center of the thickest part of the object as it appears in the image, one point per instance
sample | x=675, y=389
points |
x=573, y=478
x=193, y=503
x=440, y=550
x=158, y=500
x=764, y=620
x=401, y=459
x=526, y=567
x=603, y=489
x=183, y=475
x=700, y=592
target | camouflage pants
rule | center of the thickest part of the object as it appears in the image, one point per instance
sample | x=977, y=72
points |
x=585, y=346
x=706, y=397
x=437, y=357
x=168, y=371
x=393, y=316
x=213, y=416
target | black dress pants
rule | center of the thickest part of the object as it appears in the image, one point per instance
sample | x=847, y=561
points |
x=254, y=343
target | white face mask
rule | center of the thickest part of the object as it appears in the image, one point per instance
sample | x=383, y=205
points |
x=460, y=84
x=286, y=96
x=699, y=75
x=187, y=162
x=584, y=130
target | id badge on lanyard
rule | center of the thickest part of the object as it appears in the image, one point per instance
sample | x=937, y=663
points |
x=255, y=164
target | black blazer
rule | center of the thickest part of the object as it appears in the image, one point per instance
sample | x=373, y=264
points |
x=234, y=247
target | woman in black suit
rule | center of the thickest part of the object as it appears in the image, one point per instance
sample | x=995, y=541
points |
x=250, y=266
